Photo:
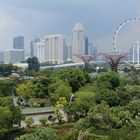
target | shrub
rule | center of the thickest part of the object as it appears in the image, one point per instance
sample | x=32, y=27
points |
x=71, y=135
x=43, y=120
x=29, y=121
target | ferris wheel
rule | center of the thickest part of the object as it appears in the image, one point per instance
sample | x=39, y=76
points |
x=118, y=30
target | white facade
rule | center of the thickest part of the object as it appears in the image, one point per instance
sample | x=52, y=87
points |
x=1, y=57
x=78, y=41
x=32, y=43
x=38, y=49
x=54, y=49
x=14, y=56
x=68, y=43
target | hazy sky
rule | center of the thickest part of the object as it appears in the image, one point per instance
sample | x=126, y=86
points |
x=36, y=18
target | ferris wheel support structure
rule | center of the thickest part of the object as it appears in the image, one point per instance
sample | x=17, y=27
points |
x=118, y=30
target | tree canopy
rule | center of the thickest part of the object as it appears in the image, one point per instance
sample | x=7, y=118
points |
x=7, y=69
x=110, y=80
x=74, y=76
x=59, y=89
x=33, y=64
x=43, y=133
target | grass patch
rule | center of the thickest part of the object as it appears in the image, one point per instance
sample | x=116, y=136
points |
x=88, y=88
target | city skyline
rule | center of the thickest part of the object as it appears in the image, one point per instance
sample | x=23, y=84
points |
x=52, y=17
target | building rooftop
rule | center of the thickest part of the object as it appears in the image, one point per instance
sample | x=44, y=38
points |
x=78, y=27
x=31, y=110
x=54, y=35
x=18, y=50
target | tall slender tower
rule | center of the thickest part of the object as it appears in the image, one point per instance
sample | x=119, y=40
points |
x=78, y=41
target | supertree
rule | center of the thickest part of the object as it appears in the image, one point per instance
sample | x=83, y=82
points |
x=86, y=59
x=114, y=59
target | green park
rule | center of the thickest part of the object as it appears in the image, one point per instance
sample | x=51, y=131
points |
x=69, y=104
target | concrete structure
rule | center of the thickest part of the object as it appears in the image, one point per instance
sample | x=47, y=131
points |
x=136, y=53
x=69, y=49
x=54, y=49
x=38, y=50
x=78, y=41
x=33, y=42
x=70, y=65
x=130, y=56
x=114, y=59
x=92, y=50
x=57, y=67
x=14, y=56
x=1, y=57
x=18, y=42
x=86, y=59
x=86, y=45
x=65, y=51
x=37, y=113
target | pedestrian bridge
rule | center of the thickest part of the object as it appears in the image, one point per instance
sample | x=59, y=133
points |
x=77, y=65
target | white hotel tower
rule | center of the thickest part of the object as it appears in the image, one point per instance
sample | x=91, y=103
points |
x=78, y=41
x=38, y=50
x=54, y=49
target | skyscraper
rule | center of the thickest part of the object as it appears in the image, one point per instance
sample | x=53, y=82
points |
x=92, y=50
x=18, y=42
x=69, y=49
x=65, y=50
x=54, y=49
x=86, y=45
x=1, y=57
x=78, y=41
x=32, y=44
x=38, y=50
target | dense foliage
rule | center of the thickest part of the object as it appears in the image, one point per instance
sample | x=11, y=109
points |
x=7, y=69
x=106, y=108
x=10, y=115
x=75, y=77
x=40, y=134
x=33, y=64
x=7, y=88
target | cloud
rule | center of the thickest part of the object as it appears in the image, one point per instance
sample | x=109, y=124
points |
x=36, y=18
x=7, y=21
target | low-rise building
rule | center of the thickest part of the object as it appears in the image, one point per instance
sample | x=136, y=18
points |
x=37, y=113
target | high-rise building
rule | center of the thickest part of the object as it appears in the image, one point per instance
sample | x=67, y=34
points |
x=69, y=49
x=1, y=57
x=86, y=45
x=38, y=50
x=14, y=56
x=65, y=50
x=131, y=54
x=18, y=42
x=134, y=53
x=54, y=49
x=78, y=41
x=92, y=50
x=32, y=44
